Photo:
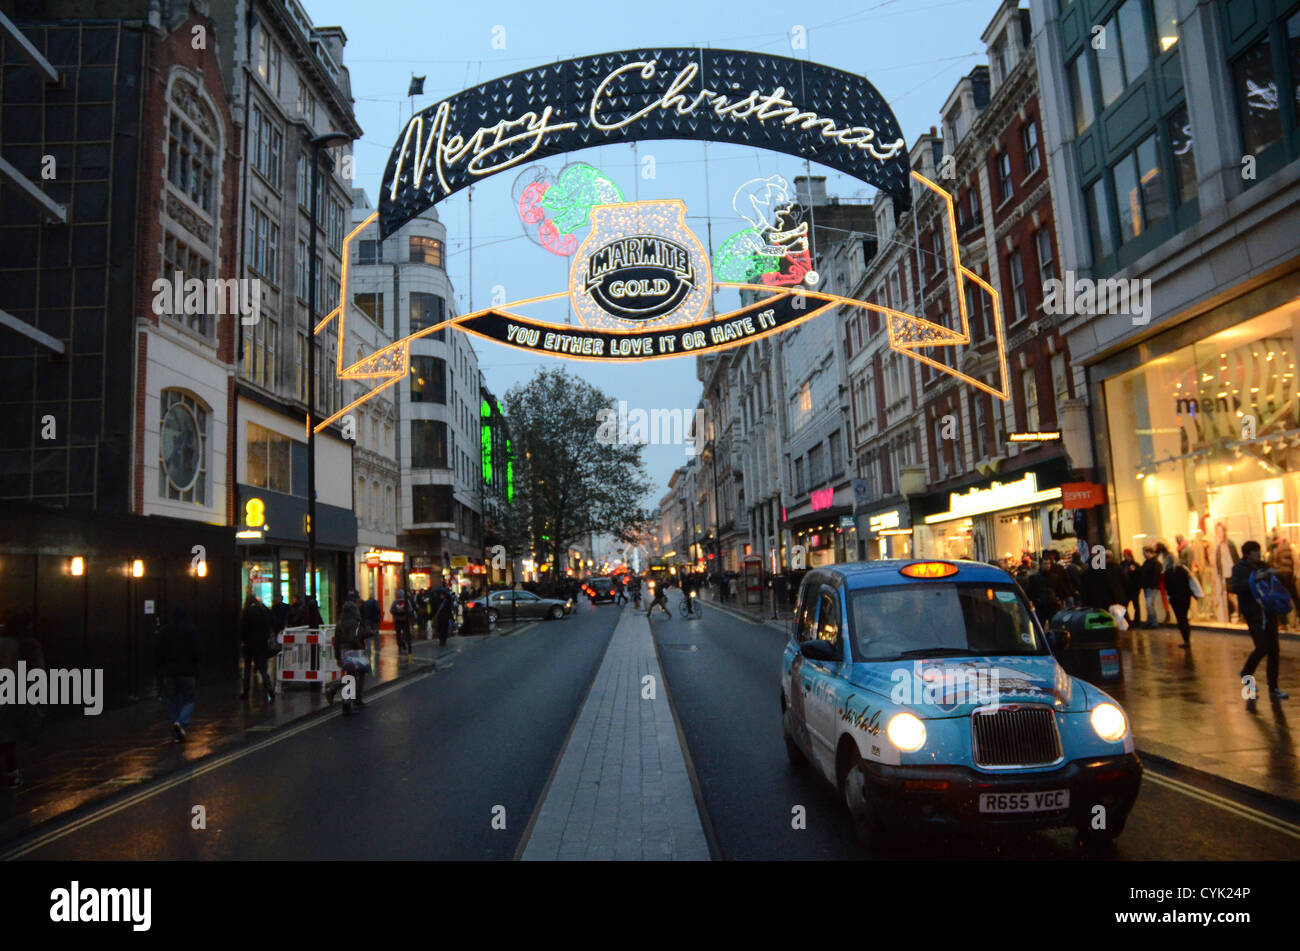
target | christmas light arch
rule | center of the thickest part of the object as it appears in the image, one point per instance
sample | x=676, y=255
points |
x=801, y=109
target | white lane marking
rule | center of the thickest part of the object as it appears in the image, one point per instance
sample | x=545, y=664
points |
x=184, y=777
x=1227, y=805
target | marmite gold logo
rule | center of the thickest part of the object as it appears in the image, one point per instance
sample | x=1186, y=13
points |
x=640, y=277
x=639, y=263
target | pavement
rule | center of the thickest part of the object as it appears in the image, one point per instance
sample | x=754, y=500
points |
x=1187, y=707
x=81, y=761
x=621, y=789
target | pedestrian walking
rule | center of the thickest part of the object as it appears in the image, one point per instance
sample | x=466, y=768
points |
x=1178, y=588
x=255, y=636
x=371, y=616
x=18, y=644
x=1132, y=586
x=297, y=614
x=636, y=592
x=400, y=610
x=279, y=615
x=1250, y=578
x=621, y=597
x=1149, y=577
x=660, y=598
x=442, y=605
x=178, y=665
x=349, y=654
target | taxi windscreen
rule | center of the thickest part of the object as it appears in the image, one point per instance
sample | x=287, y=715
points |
x=941, y=619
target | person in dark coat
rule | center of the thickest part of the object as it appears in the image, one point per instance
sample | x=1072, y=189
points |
x=1062, y=584
x=279, y=614
x=297, y=614
x=1041, y=590
x=348, y=637
x=442, y=605
x=1262, y=624
x=400, y=609
x=1132, y=586
x=255, y=635
x=1178, y=589
x=311, y=611
x=372, y=613
x=18, y=644
x=1149, y=576
x=178, y=664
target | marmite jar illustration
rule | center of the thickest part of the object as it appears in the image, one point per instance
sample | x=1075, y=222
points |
x=640, y=266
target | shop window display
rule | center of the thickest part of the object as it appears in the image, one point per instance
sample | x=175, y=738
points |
x=1205, y=451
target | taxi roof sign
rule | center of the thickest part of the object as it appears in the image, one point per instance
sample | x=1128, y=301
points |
x=928, y=569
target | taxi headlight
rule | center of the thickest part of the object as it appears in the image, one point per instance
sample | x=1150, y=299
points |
x=906, y=732
x=1109, y=722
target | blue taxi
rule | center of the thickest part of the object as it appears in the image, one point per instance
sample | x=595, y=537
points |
x=927, y=693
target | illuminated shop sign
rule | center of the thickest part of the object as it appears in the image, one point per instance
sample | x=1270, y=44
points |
x=823, y=498
x=884, y=520
x=1047, y=436
x=381, y=556
x=999, y=495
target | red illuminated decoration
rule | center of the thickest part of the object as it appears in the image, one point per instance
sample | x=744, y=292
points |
x=822, y=498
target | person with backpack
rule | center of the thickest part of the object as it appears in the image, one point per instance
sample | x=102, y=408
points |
x=1261, y=599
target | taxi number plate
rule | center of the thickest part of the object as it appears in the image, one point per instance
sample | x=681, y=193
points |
x=1046, y=801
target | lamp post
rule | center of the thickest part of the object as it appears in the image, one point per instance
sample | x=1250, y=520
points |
x=327, y=140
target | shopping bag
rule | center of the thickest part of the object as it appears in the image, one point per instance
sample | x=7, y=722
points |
x=1197, y=590
x=1120, y=614
x=356, y=662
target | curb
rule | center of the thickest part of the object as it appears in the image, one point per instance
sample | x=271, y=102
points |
x=1214, y=779
x=104, y=793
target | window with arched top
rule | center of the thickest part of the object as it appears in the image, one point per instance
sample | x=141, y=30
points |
x=192, y=200
x=183, y=429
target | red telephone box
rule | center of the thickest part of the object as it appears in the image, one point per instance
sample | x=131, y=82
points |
x=753, y=566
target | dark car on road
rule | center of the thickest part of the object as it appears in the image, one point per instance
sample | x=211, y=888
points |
x=600, y=589
x=505, y=605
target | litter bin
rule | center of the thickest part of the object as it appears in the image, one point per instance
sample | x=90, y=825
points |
x=1093, y=651
x=474, y=618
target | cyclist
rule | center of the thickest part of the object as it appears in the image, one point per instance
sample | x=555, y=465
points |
x=689, y=589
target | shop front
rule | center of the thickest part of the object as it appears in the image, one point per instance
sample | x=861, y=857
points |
x=1204, y=445
x=272, y=547
x=380, y=577
x=885, y=533
x=998, y=522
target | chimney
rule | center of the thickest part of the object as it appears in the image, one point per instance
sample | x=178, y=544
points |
x=811, y=192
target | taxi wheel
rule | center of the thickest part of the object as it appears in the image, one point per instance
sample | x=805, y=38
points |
x=866, y=824
x=792, y=751
x=557, y=612
x=492, y=615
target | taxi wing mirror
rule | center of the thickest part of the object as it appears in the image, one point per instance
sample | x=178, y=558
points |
x=815, y=649
x=1059, y=639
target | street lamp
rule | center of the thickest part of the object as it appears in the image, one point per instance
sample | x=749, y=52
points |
x=326, y=140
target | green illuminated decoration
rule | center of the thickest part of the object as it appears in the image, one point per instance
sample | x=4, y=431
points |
x=510, y=473
x=486, y=433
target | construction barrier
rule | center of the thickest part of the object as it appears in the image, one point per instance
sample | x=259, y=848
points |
x=307, y=656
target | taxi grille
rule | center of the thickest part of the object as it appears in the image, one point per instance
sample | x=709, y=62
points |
x=1020, y=736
